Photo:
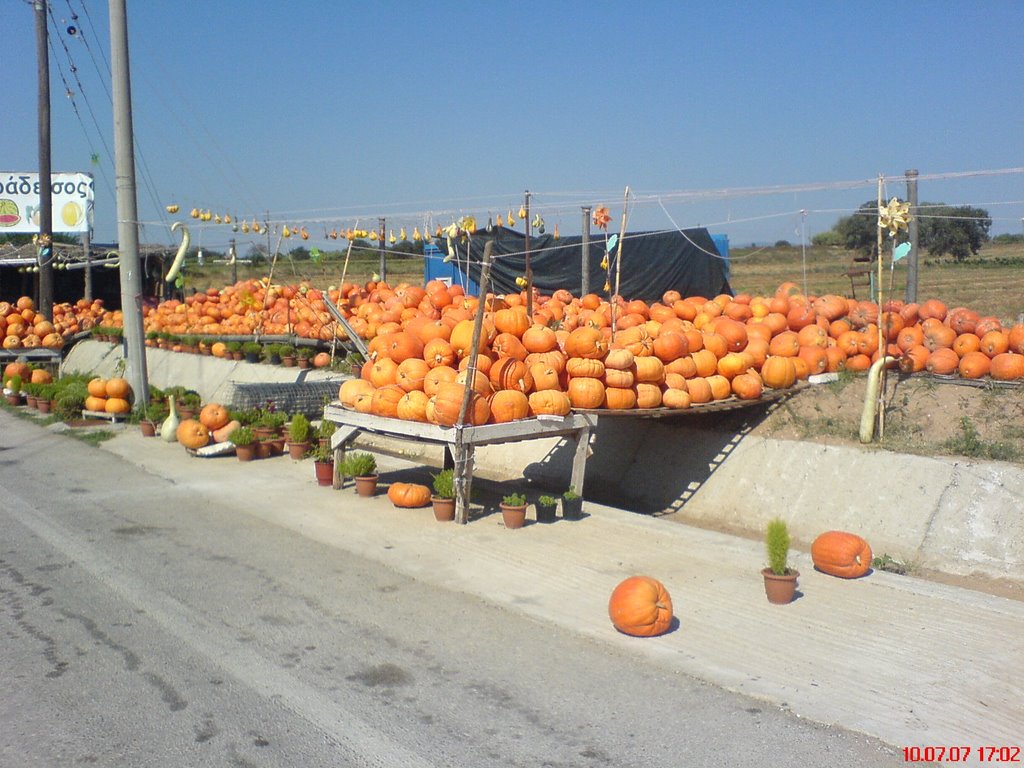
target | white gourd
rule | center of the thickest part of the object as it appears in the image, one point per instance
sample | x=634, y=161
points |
x=170, y=426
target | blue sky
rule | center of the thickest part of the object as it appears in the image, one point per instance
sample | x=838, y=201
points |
x=329, y=113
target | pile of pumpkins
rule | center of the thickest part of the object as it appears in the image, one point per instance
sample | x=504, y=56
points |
x=213, y=425
x=113, y=396
x=25, y=374
x=22, y=327
x=676, y=353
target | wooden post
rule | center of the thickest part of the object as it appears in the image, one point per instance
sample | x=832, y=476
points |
x=618, y=259
x=529, y=266
x=462, y=460
x=881, y=329
x=585, y=254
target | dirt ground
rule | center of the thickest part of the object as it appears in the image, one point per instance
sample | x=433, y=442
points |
x=925, y=415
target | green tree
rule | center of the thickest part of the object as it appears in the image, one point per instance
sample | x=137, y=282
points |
x=859, y=232
x=955, y=230
x=831, y=238
x=299, y=254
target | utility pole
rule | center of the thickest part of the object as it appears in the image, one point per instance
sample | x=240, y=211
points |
x=87, y=249
x=585, y=247
x=45, y=254
x=912, y=232
x=127, y=206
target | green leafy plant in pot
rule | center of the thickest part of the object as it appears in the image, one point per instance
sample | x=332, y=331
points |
x=362, y=468
x=779, y=579
x=443, y=498
x=513, y=510
x=572, y=505
x=547, y=506
x=298, y=436
x=245, y=443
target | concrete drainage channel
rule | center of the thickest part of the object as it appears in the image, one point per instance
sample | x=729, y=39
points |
x=945, y=514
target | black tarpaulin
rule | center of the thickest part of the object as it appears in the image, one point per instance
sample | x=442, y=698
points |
x=652, y=263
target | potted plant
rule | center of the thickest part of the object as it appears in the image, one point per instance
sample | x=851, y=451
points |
x=546, y=509
x=323, y=464
x=362, y=468
x=513, y=510
x=572, y=505
x=298, y=436
x=287, y=354
x=272, y=354
x=325, y=430
x=44, y=398
x=269, y=422
x=251, y=351
x=30, y=389
x=234, y=349
x=245, y=443
x=779, y=578
x=444, y=496
x=13, y=390
x=303, y=356
x=152, y=338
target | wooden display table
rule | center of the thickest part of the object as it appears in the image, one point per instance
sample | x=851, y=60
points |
x=350, y=423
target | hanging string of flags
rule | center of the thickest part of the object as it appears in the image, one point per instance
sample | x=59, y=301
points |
x=467, y=225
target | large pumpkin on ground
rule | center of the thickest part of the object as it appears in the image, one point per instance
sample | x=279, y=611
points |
x=841, y=554
x=409, y=495
x=192, y=434
x=641, y=606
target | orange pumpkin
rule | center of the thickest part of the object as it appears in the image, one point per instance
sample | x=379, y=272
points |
x=778, y=372
x=842, y=554
x=448, y=402
x=549, y=402
x=98, y=387
x=213, y=416
x=586, y=342
x=641, y=606
x=192, y=434
x=409, y=495
x=98, y=404
x=117, y=405
x=413, y=406
x=586, y=392
x=509, y=405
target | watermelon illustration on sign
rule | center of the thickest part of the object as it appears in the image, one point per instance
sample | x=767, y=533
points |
x=9, y=215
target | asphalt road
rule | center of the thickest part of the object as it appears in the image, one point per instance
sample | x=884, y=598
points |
x=143, y=626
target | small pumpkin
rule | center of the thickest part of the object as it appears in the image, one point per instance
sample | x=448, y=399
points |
x=409, y=495
x=221, y=435
x=841, y=554
x=214, y=416
x=192, y=434
x=641, y=606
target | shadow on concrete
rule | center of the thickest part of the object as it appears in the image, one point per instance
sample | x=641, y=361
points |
x=652, y=466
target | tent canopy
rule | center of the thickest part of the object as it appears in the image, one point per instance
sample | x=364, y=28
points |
x=652, y=263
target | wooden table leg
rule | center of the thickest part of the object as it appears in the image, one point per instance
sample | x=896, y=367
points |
x=579, y=461
x=339, y=442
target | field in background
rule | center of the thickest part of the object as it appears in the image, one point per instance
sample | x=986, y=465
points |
x=991, y=282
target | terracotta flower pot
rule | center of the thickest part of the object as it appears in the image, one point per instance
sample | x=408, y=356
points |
x=147, y=428
x=246, y=452
x=324, y=472
x=513, y=517
x=298, y=450
x=780, y=589
x=444, y=509
x=366, y=486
